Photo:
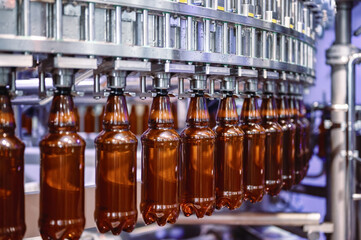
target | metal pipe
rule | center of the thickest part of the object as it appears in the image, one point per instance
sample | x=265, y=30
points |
x=190, y=33
x=91, y=23
x=342, y=24
x=26, y=17
x=239, y=40
x=167, y=31
x=207, y=32
x=225, y=38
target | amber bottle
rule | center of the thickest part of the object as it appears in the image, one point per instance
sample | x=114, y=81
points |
x=100, y=119
x=116, y=159
x=299, y=155
x=306, y=135
x=274, y=145
x=228, y=156
x=197, y=178
x=146, y=117
x=62, y=173
x=12, y=222
x=89, y=120
x=289, y=132
x=160, y=151
x=253, y=150
x=26, y=122
x=133, y=119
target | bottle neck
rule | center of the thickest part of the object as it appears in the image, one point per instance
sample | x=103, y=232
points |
x=7, y=120
x=62, y=115
x=161, y=113
x=116, y=111
x=227, y=111
x=269, y=109
x=250, y=111
x=198, y=114
x=283, y=108
x=302, y=108
x=293, y=107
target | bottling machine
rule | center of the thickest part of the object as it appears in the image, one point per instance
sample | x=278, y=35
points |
x=169, y=51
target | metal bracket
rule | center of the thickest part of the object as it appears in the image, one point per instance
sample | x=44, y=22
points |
x=12, y=60
x=60, y=62
x=313, y=231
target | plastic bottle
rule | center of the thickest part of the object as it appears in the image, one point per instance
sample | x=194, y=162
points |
x=253, y=150
x=62, y=172
x=116, y=159
x=289, y=132
x=12, y=222
x=299, y=155
x=228, y=156
x=306, y=137
x=160, y=151
x=89, y=120
x=274, y=145
x=197, y=191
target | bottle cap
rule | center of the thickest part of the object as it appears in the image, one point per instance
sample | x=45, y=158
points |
x=117, y=79
x=161, y=81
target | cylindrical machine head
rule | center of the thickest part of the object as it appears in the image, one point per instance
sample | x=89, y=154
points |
x=63, y=78
x=161, y=81
x=117, y=79
x=198, y=82
x=251, y=85
x=228, y=84
x=5, y=77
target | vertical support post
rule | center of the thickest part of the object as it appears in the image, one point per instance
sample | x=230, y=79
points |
x=145, y=28
x=91, y=23
x=118, y=24
x=58, y=20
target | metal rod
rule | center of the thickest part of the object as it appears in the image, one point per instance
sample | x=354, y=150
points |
x=145, y=27
x=343, y=20
x=190, y=35
x=91, y=23
x=58, y=20
x=225, y=38
x=26, y=17
x=118, y=24
x=207, y=32
x=239, y=40
x=253, y=42
x=167, y=31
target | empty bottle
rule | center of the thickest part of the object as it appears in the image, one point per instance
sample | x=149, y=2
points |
x=253, y=150
x=228, y=156
x=12, y=222
x=116, y=158
x=160, y=151
x=197, y=162
x=62, y=172
x=299, y=156
x=289, y=132
x=274, y=145
x=306, y=135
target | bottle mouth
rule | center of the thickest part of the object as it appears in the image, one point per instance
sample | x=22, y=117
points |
x=63, y=91
x=162, y=92
x=117, y=91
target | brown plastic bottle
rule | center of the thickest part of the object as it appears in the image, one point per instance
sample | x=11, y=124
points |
x=253, y=150
x=160, y=151
x=289, y=132
x=133, y=119
x=197, y=178
x=299, y=156
x=89, y=120
x=12, y=222
x=62, y=173
x=274, y=145
x=228, y=156
x=116, y=160
x=306, y=135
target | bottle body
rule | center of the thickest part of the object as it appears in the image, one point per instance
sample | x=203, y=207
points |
x=274, y=146
x=299, y=154
x=12, y=222
x=253, y=151
x=306, y=136
x=228, y=156
x=62, y=173
x=197, y=177
x=160, y=150
x=116, y=158
x=289, y=132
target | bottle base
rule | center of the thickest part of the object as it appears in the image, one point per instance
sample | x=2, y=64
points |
x=287, y=182
x=62, y=229
x=116, y=222
x=200, y=207
x=254, y=193
x=12, y=233
x=161, y=214
x=231, y=202
x=273, y=188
